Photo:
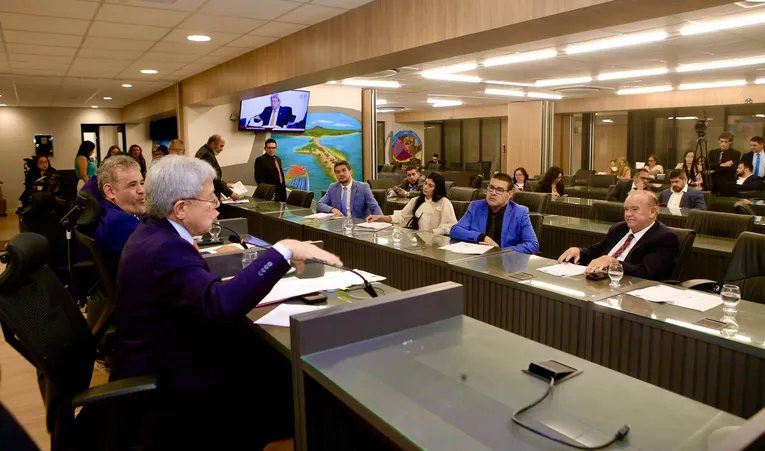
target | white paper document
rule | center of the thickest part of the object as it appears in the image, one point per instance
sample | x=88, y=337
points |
x=320, y=216
x=690, y=299
x=467, y=248
x=563, y=270
x=373, y=225
x=280, y=316
x=239, y=188
x=231, y=201
x=289, y=287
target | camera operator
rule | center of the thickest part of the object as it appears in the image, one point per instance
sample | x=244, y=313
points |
x=722, y=162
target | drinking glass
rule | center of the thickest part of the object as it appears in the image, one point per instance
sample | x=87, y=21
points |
x=348, y=223
x=731, y=326
x=249, y=256
x=731, y=296
x=615, y=273
x=215, y=232
x=397, y=235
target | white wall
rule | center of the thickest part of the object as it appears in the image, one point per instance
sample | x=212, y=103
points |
x=392, y=127
x=138, y=133
x=18, y=127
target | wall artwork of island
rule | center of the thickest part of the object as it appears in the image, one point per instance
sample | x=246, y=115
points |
x=308, y=158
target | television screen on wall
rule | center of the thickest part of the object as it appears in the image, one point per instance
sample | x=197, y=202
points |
x=281, y=112
x=164, y=129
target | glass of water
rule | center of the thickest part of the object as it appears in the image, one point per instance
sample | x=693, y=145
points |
x=397, y=235
x=615, y=273
x=730, y=296
x=249, y=256
x=215, y=232
x=731, y=326
x=348, y=223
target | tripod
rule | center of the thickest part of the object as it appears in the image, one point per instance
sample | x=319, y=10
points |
x=702, y=153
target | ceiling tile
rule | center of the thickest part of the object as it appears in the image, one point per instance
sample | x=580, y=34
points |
x=139, y=16
x=217, y=38
x=46, y=72
x=110, y=54
x=251, y=42
x=131, y=73
x=40, y=50
x=115, y=30
x=229, y=51
x=93, y=73
x=311, y=14
x=116, y=44
x=191, y=48
x=174, y=57
x=95, y=63
x=177, y=5
x=347, y=4
x=58, y=40
x=163, y=67
x=75, y=9
x=253, y=9
x=25, y=22
x=277, y=29
x=205, y=22
x=40, y=58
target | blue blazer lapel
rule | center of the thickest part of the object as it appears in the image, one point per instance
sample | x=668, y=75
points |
x=480, y=219
x=506, y=222
x=355, y=199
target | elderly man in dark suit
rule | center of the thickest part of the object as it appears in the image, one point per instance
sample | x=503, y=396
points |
x=680, y=195
x=178, y=320
x=269, y=169
x=209, y=153
x=274, y=115
x=622, y=189
x=645, y=247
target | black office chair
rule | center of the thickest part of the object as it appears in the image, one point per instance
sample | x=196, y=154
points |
x=742, y=208
x=40, y=217
x=477, y=182
x=433, y=167
x=473, y=167
x=582, y=177
x=449, y=184
x=611, y=190
x=42, y=322
x=536, y=202
x=100, y=317
x=264, y=191
x=464, y=194
x=727, y=225
x=531, y=186
x=607, y=211
x=601, y=181
x=300, y=198
x=707, y=197
x=485, y=168
x=383, y=184
x=485, y=184
x=747, y=267
x=686, y=237
x=455, y=166
x=460, y=208
x=536, y=223
x=568, y=180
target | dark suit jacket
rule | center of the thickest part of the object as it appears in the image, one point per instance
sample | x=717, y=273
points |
x=177, y=319
x=405, y=186
x=752, y=182
x=714, y=163
x=546, y=187
x=284, y=118
x=749, y=156
x=207, y=154
x=691, y=199
x=653, y=257
x=113, y=231
x=621, y=191
x=266, y=172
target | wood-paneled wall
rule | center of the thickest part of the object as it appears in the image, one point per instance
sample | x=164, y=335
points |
x=162, y=103
x=524, y=136
x=445, y=114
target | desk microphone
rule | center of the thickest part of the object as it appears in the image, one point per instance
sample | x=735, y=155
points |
x=234, y=237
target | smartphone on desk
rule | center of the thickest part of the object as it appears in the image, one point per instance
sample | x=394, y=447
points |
x=597, y=275
x=520, y=276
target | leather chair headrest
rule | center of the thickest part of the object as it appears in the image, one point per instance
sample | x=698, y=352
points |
x=26, y=253
x=91, y=212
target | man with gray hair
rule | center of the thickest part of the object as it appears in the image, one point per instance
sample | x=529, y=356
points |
x=208, y=153
x=178, y=320
x=121, y=186
x=274, y=115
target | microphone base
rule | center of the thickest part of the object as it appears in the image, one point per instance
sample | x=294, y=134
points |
x=370, y=290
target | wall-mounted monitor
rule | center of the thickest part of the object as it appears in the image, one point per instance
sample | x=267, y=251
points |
x=164, y=129
x=281, y=112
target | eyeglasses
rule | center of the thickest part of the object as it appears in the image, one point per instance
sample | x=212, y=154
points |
x=271, y=148
x=494, y=189
x=215, y=201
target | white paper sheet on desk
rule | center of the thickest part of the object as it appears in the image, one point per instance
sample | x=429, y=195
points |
x=280, y=316
x=690, y=299
x=320, y=216
x=239, y=188
x=563, y=270
x=231, y=201
x=467, y=248
x=289, y=287
x=373, y=225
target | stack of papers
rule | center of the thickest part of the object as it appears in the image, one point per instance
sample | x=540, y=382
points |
x=694, y=300
x=467, y=248
x=239, y=188
x=563, y=270
x=373, y=225
x=289, y=287
x=320, y=216
x=280, y=316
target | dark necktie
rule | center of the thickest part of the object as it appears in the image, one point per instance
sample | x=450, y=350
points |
x=624, y=247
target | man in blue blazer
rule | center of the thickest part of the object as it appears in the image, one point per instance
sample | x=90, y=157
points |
x=122, y=199
x=497, y=221
x=348, y=197
x=179, y=321
x=680, y=195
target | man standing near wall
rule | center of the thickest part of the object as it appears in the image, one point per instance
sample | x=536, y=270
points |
x=268, y=169
x=209, y=153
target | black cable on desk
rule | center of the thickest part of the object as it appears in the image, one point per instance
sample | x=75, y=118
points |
x=623, y=431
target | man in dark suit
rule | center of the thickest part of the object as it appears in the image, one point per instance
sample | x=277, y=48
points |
x=179, y=321
x=645, y=247
x=209, y=153
x=274, y=115
x=680, y=195
x=435, y=163
x=747, y=181
x=412, y=185
x=622, y=189
x=269, y=169
x=756, y=157
x=722, y=162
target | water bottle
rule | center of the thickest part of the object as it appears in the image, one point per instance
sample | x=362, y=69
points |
x=249, y=256
x=348, y=223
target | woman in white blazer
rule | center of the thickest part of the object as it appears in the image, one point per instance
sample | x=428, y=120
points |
x=431, y=211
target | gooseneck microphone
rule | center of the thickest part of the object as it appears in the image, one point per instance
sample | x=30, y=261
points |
x=234, y=237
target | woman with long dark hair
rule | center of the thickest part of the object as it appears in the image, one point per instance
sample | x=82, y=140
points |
x=113, y=150
x=520, y=176
x=431, y=211
x=136, y=152
x=692, y=168
x=84, y=165
x=552, y=182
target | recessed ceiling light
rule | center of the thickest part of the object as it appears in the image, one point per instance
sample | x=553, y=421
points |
x=453, y=77
x=198, y=38
x=504, y=92
x=520, y=57
x=759, y=115
x=724, y=64
x=127, y=85
x=148, y=71
x=2, y=104
x=714, y=84
x=371, y=83
x=646, y=90
x=632, y=73
x=94, y=106
x=562, y=81
x=608, y=121
x=107, y=98
x=620, y=41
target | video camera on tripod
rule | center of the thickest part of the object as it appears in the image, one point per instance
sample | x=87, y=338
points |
x=701, y=126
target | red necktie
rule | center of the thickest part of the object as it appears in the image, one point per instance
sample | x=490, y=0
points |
x=279, y=170
x=624, y=246
x=194, y=243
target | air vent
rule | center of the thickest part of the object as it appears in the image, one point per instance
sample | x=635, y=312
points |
x=390, y=109
x=166, y=2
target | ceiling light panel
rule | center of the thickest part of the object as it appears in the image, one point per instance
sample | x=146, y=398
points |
x=453, y=69
x=620, y=41
x=723, y=64
x=520, y=57
x=508, y=83
x=714, y=84
x=544, y=95
x=504, y=92
x=371, y=83
x=453, y=77
x=743, y=20
x=562, y=81
x=633, y=74
x=645, y=90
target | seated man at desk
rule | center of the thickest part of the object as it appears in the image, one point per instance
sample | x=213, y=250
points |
x=746, y=180
x=623, y=189
x=348, y=197
x=412, y=186
x=645, y=247
x=680, y=195
x=179, y=321
x=497, y=221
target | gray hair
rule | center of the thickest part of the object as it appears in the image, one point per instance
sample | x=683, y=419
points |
x=174, y=178
x=107, y=172
x=652, y=202
x=214, y=139
x=276, y=96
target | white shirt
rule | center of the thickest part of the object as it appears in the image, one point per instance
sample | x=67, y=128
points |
x=436, y=216
x=348, y=199
x=186, y=235
x=675, y=198
x=635, y=240
x=741, y=180
x=761, y=172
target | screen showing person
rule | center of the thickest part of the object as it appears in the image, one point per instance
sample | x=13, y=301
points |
x=284, y=111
